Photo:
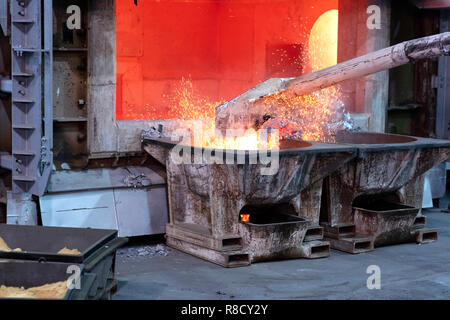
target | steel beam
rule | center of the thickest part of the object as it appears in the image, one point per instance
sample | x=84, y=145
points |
x=32, y=91
x=443, y=86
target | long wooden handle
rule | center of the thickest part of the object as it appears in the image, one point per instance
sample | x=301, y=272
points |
x=391, y=57
x=244, y=111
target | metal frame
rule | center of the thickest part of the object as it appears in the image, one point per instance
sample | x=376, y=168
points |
x=443, y=86
x=32, y=94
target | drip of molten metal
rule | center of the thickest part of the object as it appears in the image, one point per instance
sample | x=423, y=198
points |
x=245, y=218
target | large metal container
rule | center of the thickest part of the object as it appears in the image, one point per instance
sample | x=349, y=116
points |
x=206, y=200
x=388, y=168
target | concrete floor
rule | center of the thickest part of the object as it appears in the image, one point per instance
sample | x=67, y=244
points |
x=408, y=271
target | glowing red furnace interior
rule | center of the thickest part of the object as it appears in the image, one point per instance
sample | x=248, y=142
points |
x=182, y=58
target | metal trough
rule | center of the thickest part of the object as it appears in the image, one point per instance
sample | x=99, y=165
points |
x=388, y=222
x=388, y=169
x=97, y=252
x=206, y=200
x=258, y=233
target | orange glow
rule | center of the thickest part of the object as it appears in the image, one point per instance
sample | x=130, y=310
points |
x=245, y=218
x=173, y=54
x=249, y=140
x=312, y=112
x=323, y=41
x=187, y=102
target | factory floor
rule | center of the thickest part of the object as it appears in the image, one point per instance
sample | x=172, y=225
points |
x=408, y=271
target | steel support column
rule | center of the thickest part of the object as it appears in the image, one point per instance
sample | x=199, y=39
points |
x=32, y=107
x=443, y=86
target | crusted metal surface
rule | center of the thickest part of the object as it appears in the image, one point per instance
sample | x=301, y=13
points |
x=212, y=196
x=388, y=167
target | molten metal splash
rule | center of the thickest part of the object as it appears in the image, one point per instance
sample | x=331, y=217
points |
x=191, y=105
x=311, y=117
